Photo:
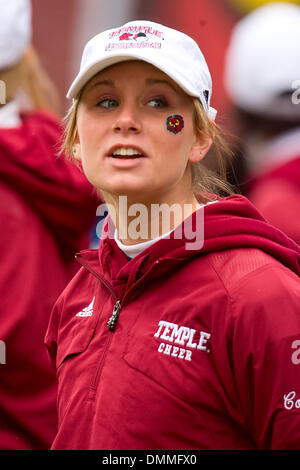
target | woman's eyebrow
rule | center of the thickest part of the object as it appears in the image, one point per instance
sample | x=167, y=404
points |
x=101, y=82
x=148, y=81
x=153, y=81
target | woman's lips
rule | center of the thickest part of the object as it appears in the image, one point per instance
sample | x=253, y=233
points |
x=126, y=157
x=125, y=161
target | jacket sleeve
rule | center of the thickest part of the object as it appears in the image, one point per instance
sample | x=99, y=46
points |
x=53, y=186
x=266, y=355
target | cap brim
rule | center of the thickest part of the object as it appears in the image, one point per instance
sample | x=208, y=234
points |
x=92, y=69
x=87, y=73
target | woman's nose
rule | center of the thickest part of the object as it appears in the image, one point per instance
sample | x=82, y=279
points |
x=127, y=121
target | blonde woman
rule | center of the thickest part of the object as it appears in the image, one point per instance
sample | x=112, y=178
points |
x=179, y=335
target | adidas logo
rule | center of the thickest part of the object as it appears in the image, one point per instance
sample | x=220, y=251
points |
x=87, y=311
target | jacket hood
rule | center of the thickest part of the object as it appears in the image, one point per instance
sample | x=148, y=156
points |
x=232, y=222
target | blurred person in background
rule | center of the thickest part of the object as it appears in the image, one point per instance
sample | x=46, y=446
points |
x=262, y=77
x=46, y=209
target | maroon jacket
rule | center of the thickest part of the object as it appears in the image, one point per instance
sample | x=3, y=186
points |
x=46, y=208
x=203, y=348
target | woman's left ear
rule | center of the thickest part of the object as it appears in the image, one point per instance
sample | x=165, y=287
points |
x=200, y=148
x=76, y=152
x=76, y=148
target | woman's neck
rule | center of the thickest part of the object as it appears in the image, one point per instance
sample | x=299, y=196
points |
x=138, y=222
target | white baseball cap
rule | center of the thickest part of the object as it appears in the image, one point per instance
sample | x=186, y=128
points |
x=263, y=61
x=15, y=30
x=171, y=51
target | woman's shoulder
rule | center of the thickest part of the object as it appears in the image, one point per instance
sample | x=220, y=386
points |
x=232, y=265
x=253, y=274
x=79, y=287
x=261, y=291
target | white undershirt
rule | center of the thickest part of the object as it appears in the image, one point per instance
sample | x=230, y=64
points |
x=131, y=251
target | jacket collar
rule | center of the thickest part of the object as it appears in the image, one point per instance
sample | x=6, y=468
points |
x=232, y=223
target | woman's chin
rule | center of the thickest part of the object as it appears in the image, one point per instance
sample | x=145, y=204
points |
x=135, y=192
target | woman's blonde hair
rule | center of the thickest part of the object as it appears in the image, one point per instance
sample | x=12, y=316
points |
x=204, y=180
x=30, y=78
x=69, y=134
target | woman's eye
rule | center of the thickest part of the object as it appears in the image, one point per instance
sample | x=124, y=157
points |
x=157, y=103
x=107, y=103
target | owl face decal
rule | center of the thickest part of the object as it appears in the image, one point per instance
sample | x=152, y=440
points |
x=175, y=123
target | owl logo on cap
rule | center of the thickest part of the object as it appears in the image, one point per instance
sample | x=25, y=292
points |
x=135, y=37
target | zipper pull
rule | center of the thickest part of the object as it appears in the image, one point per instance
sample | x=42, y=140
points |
x=112, y=322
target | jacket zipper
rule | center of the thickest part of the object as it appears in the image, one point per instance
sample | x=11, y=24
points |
x=94, y=384
x=111, y=325
x=112, y=322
